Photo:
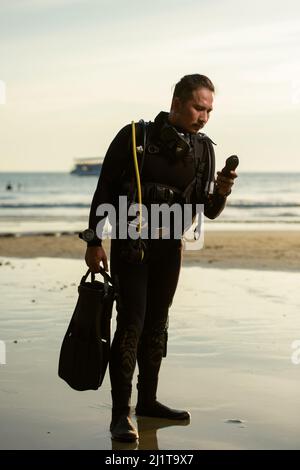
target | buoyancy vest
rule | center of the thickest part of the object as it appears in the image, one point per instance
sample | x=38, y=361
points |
x=171, y=171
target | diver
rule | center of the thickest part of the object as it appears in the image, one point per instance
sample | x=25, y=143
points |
x=176, y=165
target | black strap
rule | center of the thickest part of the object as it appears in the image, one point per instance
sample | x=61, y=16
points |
x=200, y=164
x=211, y=159
x=106, y=277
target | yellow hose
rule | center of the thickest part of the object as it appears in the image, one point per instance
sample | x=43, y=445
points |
x=137, y=173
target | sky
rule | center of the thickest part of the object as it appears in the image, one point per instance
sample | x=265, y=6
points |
x=73, y=72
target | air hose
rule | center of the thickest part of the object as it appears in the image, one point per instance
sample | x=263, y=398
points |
x=137, y=174
x=135, y=252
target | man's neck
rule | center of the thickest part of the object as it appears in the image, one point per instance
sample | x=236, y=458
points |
x=172, y=120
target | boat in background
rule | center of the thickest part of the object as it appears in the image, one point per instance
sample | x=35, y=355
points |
x=87, y=166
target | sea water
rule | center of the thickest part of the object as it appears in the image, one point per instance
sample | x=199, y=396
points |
x=57, y=202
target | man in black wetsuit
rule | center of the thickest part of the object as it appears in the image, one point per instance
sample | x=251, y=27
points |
x=177, y=167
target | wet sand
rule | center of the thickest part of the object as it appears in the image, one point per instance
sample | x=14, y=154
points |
x=229, y=362
x=276, y=250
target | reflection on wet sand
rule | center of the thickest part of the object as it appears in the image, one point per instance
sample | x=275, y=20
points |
x=229, y=360
x=147, y=428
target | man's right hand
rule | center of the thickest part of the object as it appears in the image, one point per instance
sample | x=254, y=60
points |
x=95, y=255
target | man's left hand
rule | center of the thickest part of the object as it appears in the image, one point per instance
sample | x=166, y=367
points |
x=225, y=183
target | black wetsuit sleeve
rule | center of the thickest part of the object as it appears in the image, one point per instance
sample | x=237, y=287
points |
x=214, y=205
x=114, y=164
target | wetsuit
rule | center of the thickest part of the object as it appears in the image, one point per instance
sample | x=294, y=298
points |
x=146, y=289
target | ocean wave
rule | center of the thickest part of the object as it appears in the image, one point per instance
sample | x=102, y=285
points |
x=80, y=205
x=22, y=205
x=263, y=204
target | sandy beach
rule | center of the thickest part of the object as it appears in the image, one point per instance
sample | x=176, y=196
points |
x=252, y=249
x=229, y=350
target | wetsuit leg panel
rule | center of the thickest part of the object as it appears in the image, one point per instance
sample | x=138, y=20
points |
x=164, y=269
x=132, y=283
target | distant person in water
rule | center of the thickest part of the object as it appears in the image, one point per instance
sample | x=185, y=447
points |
x=9, y=187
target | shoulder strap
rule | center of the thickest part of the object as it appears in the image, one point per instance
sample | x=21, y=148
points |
x=209, y=186
x=200, y=164
x=141, y=134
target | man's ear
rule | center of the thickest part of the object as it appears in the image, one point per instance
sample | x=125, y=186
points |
x=176, y=104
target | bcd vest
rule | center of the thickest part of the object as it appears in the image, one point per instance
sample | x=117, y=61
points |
x=159, y=156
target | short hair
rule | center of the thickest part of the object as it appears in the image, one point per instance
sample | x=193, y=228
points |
x=187, y=84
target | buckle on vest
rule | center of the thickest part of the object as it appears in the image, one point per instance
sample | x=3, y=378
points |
x=159, y=194
x=165, y=194
x=152, y=149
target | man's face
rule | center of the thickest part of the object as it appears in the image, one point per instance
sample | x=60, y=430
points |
x=193, y=114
